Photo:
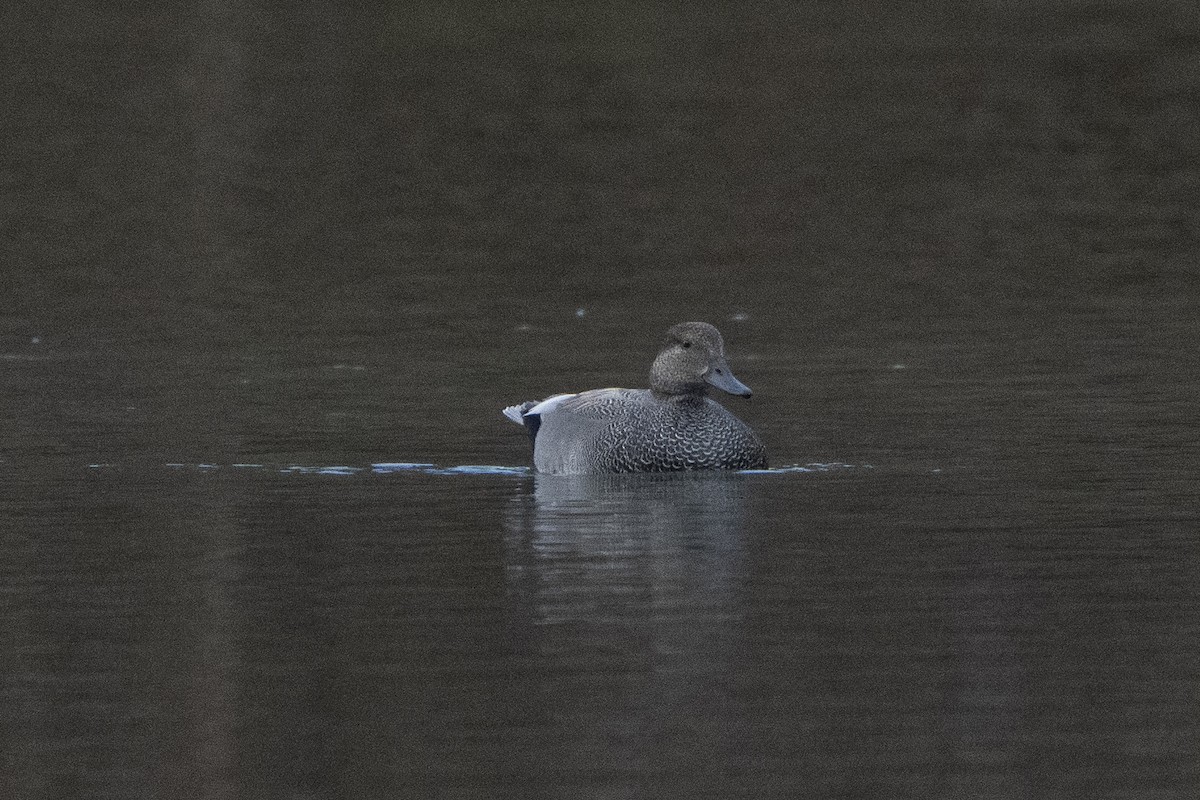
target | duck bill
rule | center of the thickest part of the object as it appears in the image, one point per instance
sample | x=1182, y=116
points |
x=721, y=377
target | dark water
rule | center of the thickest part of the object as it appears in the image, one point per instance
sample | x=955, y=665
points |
x=249, y=252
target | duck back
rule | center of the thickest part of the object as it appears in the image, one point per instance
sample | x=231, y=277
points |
x=634, y=430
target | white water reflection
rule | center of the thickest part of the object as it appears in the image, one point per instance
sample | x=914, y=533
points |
x=428, y=468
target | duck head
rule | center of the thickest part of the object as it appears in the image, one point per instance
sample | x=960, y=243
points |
x=691, y=360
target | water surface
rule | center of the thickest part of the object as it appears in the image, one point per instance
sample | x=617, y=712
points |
x=268, y=280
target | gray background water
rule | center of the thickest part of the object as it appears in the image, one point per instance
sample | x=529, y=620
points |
x=953, y=246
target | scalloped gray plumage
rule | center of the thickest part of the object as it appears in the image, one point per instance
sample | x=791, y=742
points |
x=672, y=426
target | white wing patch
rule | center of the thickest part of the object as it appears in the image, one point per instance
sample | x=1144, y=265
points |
x=549, y=404
x=589, y=402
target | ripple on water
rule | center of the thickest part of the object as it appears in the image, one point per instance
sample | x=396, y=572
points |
x=428, y=468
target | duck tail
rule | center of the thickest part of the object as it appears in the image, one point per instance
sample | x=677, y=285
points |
x=516, y=413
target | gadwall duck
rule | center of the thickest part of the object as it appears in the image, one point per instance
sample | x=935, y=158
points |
x=671, y=426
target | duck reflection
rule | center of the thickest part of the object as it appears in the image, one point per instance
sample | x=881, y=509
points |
x=649, y=556
x=626, y=610
x=582, y=544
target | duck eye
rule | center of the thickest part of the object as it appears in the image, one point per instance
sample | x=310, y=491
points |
x=687, y=344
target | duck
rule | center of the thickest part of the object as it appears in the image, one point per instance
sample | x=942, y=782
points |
x=672, y=426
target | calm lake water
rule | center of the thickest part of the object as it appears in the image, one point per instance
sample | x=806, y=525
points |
x=267, y=279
